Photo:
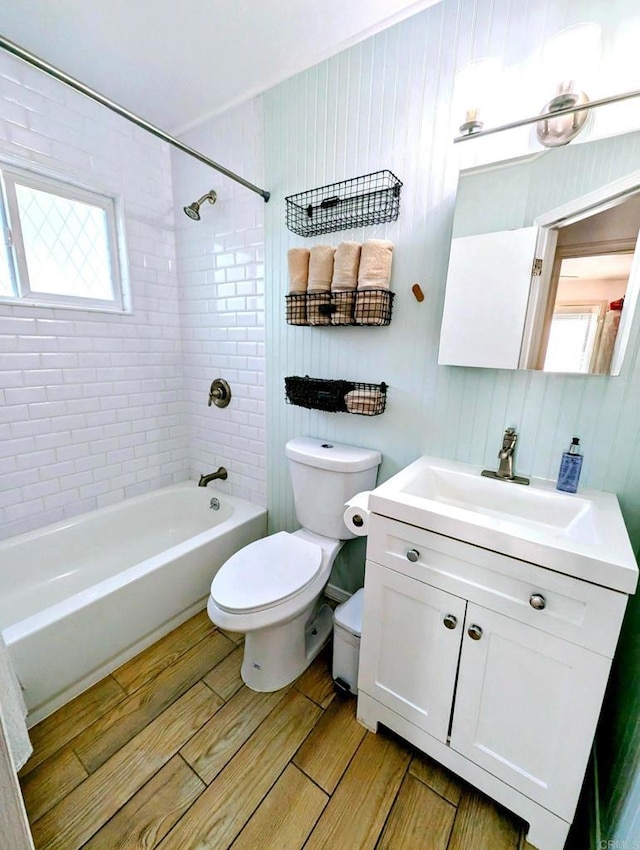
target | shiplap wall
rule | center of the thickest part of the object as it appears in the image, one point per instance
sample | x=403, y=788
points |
x=386, y=104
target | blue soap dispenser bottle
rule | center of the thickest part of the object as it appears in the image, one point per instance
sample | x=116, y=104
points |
x=570, y=468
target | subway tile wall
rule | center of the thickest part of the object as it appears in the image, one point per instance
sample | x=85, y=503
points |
x=91, y=403
x=221, y=272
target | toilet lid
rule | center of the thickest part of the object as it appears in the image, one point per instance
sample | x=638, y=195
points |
x=265, y=573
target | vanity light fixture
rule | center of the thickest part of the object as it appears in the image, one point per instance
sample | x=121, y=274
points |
x=568, y=59
x=474, y=84
x=556, y=131
x=580, y=57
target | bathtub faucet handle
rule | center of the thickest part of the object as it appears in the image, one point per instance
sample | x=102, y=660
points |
x=220, y=472
x=219, y=393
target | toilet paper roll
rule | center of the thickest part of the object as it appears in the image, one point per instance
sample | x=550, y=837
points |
x=356, y=515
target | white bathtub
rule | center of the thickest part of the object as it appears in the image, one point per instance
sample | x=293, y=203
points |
x=80, y=597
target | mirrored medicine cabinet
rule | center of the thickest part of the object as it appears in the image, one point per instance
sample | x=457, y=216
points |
x=544, y=267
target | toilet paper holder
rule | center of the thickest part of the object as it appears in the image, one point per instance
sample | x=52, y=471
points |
x=357, y=513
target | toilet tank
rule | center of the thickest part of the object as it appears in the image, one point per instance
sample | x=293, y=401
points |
x=324, y=475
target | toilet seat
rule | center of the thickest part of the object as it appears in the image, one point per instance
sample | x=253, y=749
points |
x=266, y=573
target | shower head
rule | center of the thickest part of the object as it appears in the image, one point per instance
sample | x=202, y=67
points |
x=193, y=210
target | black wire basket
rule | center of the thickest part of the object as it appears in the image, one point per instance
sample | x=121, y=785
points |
x=369, y=199
x=336, y=396
x=371, y=307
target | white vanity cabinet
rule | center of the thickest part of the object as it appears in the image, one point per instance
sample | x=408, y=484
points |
x=409, y=659
x=493, y=666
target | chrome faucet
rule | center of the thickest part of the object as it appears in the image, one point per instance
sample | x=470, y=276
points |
x=220, y=472
x=506, y=454
x=505, y=470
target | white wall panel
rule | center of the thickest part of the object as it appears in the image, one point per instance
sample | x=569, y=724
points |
x=386, y=104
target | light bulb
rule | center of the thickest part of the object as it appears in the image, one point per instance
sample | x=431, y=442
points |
x=474, y=91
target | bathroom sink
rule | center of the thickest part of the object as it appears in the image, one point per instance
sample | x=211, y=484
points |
x=579, y=534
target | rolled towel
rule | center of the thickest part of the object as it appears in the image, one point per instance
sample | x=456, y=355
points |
x=321, y=268
x=318, y=308
x=367, y=402
x=375, y=264
x=296, y=308
x=372, y=307
x=345, y=267
x=343, y=303
x=298, y=260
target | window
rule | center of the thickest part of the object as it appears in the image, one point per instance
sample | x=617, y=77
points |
x=573, y=337
x=60, y=244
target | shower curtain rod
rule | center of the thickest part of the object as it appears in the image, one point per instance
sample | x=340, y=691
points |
x=56, y=73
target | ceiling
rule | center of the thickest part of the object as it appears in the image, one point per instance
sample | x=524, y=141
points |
x=598, y=267
x=177, y=63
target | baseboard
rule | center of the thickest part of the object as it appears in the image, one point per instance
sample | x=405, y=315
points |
x=337, y=594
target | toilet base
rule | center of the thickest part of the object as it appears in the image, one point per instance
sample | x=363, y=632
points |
x=274, y=657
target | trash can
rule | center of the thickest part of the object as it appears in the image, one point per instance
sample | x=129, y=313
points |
x=347, y=620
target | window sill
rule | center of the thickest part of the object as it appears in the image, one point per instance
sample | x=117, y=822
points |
x=61, y=305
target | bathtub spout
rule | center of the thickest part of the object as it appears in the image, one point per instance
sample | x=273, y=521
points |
x=220, y=472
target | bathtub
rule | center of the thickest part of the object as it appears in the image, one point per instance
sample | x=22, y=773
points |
x=80, y=597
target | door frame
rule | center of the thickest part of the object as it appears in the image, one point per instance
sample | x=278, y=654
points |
x=13, y=816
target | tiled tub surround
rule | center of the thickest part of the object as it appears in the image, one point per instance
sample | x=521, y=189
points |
x=90, y=402
x=81, y=596
x=221, y=271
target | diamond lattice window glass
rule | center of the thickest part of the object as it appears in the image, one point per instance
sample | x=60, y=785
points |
x=65, y=245
x=62, y=246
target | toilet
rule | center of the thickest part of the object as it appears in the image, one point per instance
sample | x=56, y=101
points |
x=270, y=590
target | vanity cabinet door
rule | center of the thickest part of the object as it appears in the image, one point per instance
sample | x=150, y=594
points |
x=526, y=707
x=410, y=646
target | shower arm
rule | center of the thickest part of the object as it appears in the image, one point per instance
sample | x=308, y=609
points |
x=72, y=82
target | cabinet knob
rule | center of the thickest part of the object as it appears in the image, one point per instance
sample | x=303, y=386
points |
x=537, y=601
x=474, y=632
x=413, y=555
x=450, y=621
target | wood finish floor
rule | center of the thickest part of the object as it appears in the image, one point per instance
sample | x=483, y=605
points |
x=173, y=752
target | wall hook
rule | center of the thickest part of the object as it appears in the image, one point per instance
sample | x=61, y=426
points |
x=219, y=393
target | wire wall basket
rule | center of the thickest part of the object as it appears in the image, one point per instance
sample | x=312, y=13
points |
x=369, y=199
x=336, y=396
x=371, y=307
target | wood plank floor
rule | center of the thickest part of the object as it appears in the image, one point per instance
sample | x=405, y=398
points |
x=173, y=752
